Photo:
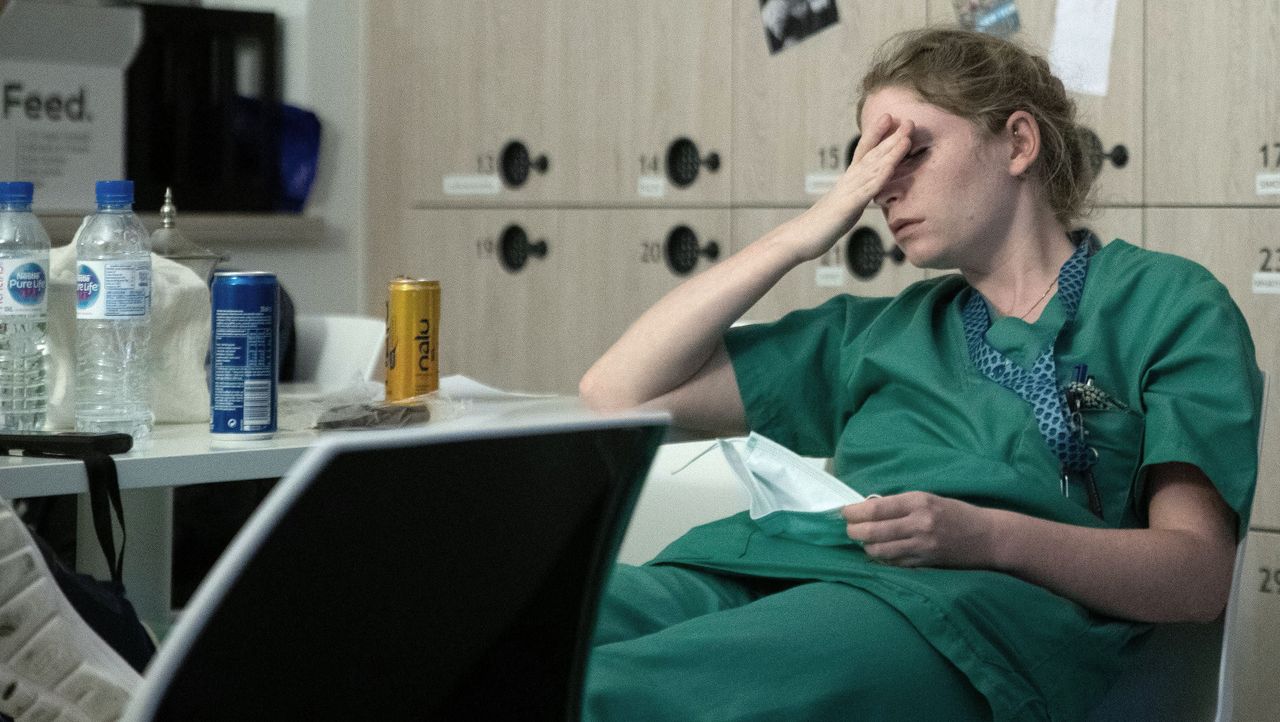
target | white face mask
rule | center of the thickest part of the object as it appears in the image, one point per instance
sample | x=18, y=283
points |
x=790, y=497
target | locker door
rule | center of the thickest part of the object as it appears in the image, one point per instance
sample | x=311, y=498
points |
x=1214, y=135
x=862, y=263
x=1255, y=635
x=1109, y=224
x=658, y=104
x=1113, y=121
x=531, y=298
x=496, y=270
x=384, y=192
x=793, y=120
x=562, y=101
x=625, y=260
x=481, y=106
x=1239, y=246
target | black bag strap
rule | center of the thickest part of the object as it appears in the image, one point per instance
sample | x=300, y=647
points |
x=104, y=495
x=104, y=489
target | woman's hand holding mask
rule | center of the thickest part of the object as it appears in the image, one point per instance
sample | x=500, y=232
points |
x=882, y=147
x=917, y=529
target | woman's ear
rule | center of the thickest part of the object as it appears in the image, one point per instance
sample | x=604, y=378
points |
x=1023, y=134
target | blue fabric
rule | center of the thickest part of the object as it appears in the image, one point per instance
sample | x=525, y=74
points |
x=299, y=157
x=1039, y=385
x=103, y=606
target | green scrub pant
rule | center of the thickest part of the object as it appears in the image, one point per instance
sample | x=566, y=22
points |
x=677, y=644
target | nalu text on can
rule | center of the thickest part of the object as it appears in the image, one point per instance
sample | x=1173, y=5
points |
x=413, y=338
x=245, y=354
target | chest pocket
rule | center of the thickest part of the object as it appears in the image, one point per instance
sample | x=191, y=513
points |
x=1117, y=435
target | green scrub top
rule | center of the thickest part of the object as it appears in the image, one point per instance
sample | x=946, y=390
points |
x=885, y=387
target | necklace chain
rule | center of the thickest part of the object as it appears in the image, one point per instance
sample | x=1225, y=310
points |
x=1043, y=296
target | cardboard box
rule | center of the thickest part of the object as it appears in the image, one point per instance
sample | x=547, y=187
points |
x=62, y=108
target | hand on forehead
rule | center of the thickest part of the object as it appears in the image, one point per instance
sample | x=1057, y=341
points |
x=901, y=105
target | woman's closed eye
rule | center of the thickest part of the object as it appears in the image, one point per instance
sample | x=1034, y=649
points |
x=915, y=154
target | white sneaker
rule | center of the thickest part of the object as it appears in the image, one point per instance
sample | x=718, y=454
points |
x=53, y=666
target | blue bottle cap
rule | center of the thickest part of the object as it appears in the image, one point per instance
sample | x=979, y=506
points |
x=114, y=192
x=20, y=192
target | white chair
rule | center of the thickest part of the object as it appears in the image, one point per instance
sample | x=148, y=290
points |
x=1181, y=673
x=336, y=350
x=1184, y=671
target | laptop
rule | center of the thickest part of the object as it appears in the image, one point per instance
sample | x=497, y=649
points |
x=445, y=572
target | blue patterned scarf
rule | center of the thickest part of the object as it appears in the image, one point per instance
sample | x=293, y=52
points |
x=1038, y=386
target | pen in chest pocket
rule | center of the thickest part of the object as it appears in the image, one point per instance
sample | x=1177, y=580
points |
x=1077, y=393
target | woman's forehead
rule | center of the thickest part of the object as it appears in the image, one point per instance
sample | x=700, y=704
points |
x=898, y=102
x=904, y=104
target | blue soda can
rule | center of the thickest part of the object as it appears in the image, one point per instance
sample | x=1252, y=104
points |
x=245, y=355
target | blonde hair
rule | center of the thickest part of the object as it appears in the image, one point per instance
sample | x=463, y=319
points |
x=985, y=79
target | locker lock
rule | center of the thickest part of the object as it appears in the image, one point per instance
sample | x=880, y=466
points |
x=848, y=153
x=683, y=162
x=865, y=253
x=516, y=164
x=1095, y=154
x=683, y=250
x=515, y=248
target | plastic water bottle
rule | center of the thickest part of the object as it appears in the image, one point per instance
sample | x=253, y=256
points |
x=113, y=316
x=24, y=273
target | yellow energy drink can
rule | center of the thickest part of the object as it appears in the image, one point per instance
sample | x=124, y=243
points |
x=413, y=337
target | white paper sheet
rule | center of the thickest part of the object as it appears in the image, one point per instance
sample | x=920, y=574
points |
x=1081, y=51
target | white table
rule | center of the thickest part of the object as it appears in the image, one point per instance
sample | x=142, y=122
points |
x=177, y=455
x=184, y=454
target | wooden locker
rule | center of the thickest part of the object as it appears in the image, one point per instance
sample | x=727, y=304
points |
x=1109, y=224
x=386, y=146
x=1254, y=642
x=1239, y=247
x=1214, y=131
x=873, y=271
x=531, y=298
x=793, y=119
x=557, y=102
x=471, y=80
x=1115, y=120
x=662, y=109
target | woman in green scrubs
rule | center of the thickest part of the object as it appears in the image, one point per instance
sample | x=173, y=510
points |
x=1062, y=434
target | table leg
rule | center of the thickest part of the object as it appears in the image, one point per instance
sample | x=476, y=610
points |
x=148, y=556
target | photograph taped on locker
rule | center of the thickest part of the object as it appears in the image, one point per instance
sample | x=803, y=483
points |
x=998, y=17
x=787, y=22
